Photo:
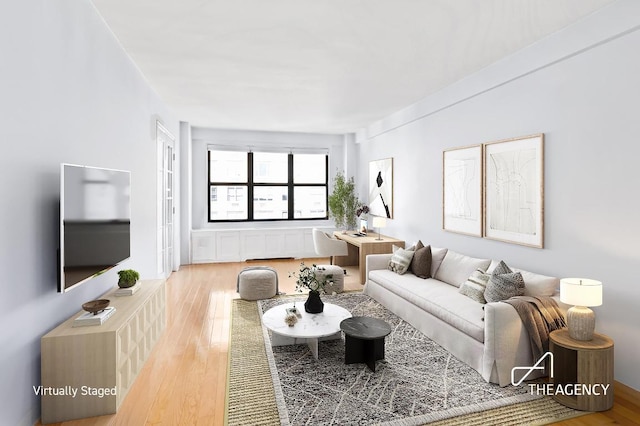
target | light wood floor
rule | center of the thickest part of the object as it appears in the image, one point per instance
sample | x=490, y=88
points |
x=184, y=379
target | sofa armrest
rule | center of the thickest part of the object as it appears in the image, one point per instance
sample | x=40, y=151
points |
x=506, y=343
x=377, y=261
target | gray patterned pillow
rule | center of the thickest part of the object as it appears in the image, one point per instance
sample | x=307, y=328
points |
x=503, y=284
x=475, y=285
x=400, y=260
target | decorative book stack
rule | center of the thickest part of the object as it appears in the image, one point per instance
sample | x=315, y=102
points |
x=128, y=291
x=88, y=318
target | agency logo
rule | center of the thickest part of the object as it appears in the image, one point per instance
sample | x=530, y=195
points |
x=550, y=389
x=537, y=366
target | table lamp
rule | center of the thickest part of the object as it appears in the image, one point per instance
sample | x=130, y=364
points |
x=581, y=292
x=379, y=222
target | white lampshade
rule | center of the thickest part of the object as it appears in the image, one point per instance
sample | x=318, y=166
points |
x=379, y=222
x=581, y=292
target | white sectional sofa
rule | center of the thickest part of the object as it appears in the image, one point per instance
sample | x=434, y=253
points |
x=489, y=337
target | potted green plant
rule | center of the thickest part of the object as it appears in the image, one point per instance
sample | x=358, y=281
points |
x=128, y=278
x=343, y=202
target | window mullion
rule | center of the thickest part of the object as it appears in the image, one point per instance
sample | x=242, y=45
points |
x=290, y=187
x=250, y=202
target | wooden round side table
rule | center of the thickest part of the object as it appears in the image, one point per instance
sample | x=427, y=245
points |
x=584, y=371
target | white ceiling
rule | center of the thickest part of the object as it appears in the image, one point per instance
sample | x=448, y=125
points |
x=328, y=66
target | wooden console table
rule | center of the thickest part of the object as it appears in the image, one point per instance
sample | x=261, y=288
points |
x=84, y=362
x=586, y=363
x=360, y=247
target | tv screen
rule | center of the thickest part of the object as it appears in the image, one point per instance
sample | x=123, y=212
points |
x=95, y=222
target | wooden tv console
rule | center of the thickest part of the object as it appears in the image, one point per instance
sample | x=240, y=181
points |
x=87, y=371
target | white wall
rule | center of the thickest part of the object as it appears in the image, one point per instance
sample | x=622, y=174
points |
x=68, y=94
x=186, y=193
x=203, y=137
x=580, y=87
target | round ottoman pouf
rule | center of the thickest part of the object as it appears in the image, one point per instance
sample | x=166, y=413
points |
x=337, y=276
x=257, y=283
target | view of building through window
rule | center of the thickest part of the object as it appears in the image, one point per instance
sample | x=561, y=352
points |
x=246, y=186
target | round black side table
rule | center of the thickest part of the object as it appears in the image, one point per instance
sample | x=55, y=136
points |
x=364, y=340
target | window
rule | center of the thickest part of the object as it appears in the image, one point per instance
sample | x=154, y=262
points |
x=309, y=186
x=247, y=186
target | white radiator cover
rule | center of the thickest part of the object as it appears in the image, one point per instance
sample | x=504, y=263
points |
x=237, y=245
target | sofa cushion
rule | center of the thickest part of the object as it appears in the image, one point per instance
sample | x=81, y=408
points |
x=537, y=284
x=475, y=285
x=421, y=262
x=400, y=260
x=437, y=255
x=437, y=298
x=503, y=284
x=456, y=268
x=534, y=284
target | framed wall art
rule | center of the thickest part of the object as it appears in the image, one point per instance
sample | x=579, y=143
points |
x=462, y=190
x=381, y=188
x=514, y=190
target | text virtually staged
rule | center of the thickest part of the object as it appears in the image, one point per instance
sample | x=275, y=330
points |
x=74, y=391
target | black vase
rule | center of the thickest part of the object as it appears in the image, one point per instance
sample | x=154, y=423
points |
x=314, y=304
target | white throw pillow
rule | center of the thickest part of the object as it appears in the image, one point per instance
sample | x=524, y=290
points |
x=437, y=254
x=456, y=268
x=538, y=285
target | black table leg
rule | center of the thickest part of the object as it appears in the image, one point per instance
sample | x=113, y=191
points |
x=366, y=351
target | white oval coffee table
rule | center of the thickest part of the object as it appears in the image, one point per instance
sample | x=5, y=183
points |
x=309, y=329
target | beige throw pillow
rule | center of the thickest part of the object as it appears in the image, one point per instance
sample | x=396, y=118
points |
x=400, y=260
x=475, y=286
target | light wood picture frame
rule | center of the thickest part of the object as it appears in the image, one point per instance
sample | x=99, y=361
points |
x=462, y=190
x=381, y=188
x=514, y=190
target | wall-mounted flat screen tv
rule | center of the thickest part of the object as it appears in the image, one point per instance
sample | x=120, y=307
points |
x=95, y=222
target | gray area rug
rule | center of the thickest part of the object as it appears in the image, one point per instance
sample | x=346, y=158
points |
x=418, y=381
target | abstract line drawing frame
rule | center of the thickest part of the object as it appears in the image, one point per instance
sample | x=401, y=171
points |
x=462, y=190
x=381, y=188
x=514, y=190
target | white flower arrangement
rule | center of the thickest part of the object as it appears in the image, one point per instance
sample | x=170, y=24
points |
x=309, y=278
